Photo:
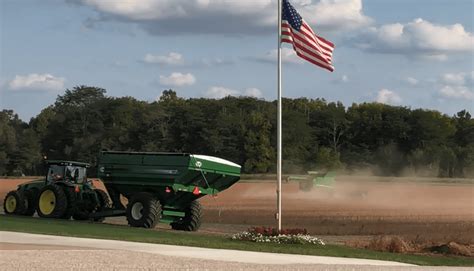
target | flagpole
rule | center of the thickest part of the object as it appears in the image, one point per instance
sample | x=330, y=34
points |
x=279, y=119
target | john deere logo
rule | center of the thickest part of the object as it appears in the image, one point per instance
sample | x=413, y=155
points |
x=198, y=164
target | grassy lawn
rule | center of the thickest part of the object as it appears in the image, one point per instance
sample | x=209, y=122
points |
x=125, y=233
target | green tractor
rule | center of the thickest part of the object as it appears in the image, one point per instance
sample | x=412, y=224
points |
x=65, y=192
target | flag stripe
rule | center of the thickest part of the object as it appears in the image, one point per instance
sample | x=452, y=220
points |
x=304, y=34
x=308, y=32
x=308, y=45
x=329, y=44
x=312, y=58
x=308, y=49
x=301, y=41
x=322, y=65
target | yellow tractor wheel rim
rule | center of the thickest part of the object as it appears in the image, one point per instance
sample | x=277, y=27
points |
x=10, y=204
x=47, y=202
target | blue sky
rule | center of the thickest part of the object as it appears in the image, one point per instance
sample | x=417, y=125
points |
x=400, y=52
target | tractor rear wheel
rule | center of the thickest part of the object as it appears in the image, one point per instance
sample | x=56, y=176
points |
x=31, y=196
x=52, y=202
x=15, y=203
x=143, y=210
x=104, y=203
x=192, y=219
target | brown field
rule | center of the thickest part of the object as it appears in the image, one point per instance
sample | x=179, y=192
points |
x=426, y=212
x=354, y=211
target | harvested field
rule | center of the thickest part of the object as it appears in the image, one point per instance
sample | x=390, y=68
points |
x=422, y=212
x=354, y=212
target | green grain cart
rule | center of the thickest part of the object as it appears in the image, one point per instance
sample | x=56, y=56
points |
x=158, y=187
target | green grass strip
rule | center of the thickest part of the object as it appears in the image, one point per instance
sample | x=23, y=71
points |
x=125, y=233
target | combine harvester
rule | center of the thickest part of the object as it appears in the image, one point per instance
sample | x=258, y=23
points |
x=159, y=187
x=325, y=181
x=314, y=179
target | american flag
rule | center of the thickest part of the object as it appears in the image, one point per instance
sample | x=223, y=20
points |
x=306, y=43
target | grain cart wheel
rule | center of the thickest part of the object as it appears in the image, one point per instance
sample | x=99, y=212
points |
x=15, y=203
x=143, y=210
x=104, y=203
x=52, y=202
x=31, y=197
x=192, y=218
x=71, y=202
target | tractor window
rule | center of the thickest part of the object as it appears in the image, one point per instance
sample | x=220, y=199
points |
x=76, y=174
x=55, y=173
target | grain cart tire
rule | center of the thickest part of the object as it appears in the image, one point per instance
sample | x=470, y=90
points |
x=104, y=203
x=192, y=218
x=15, y=203
x=71, y=202
x=31, y=197
x=143, y=210
x=52, y=202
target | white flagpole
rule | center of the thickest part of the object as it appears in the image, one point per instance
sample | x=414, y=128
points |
x=279, y=119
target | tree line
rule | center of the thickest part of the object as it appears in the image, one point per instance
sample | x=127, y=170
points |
x=386, y=140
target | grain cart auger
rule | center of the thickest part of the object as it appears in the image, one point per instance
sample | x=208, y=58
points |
x=163, y=187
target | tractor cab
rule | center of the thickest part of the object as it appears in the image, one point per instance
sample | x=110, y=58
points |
x=66, y=171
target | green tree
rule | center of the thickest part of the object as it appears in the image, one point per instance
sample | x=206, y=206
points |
x=258, y=150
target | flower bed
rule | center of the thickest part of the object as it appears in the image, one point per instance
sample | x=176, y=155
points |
x=271, y=235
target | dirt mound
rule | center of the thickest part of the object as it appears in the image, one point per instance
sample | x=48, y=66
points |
x=389, y=244
x=399, y=245
x=452, y=248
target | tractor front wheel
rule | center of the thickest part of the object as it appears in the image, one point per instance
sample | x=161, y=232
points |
x=143, y=210
x=52, y=202
x=15, y=203
x=192, y=219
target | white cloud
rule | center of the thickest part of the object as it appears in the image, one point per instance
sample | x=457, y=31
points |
x=457, y=85
x=418, y=38
x=287, y=56
x=341, y=80
x=170, y=59
x=213, y=62
x=177, y=79
x=335, y=14
x=218, y=92
x=386, y=96
x=253, y=92
x=227, y=16
x=34, y=81
x=412, y=81
x=454, y=78
x=457, y=92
